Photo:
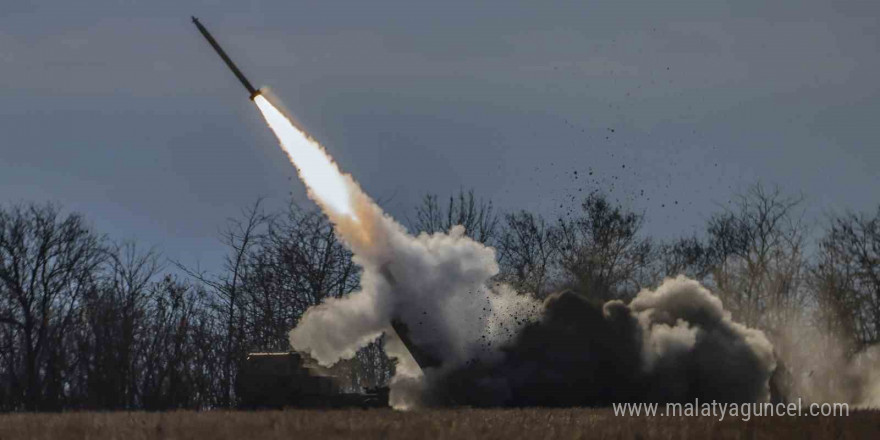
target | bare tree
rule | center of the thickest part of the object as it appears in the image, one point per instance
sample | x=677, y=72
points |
x=478, y=217
x=112, y=328
x=184, y=350
x=847, y=278
x=299, y=262
x=528, y=253
x=239, y=237
x=602, y=252
x=48, y=262
x=757, y=253
x=685, y=256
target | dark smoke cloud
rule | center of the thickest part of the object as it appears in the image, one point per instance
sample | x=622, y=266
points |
x=676, y=343
x=492, y=346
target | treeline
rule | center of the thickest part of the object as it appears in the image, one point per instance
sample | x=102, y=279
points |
x=89, y=323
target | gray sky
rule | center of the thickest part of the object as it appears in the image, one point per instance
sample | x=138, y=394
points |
x=120, y=110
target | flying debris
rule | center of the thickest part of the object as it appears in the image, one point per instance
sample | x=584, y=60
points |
x=244, y=81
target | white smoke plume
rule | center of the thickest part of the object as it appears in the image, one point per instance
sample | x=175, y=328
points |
x=438, y=285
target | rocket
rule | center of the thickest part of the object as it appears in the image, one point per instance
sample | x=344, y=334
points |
x=244, y=81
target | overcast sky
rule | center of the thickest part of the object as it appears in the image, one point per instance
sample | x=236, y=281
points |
x=120, y=110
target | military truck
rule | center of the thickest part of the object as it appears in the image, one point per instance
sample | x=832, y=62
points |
x=278, y=380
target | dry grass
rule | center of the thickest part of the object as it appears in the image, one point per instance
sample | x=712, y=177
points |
x=451, y=424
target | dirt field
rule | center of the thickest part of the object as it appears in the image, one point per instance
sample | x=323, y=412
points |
x=451, y=424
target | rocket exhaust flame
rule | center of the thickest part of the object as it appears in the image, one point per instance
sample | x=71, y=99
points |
x=326, y=183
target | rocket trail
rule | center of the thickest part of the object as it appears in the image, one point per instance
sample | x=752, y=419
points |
x=326, y=183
